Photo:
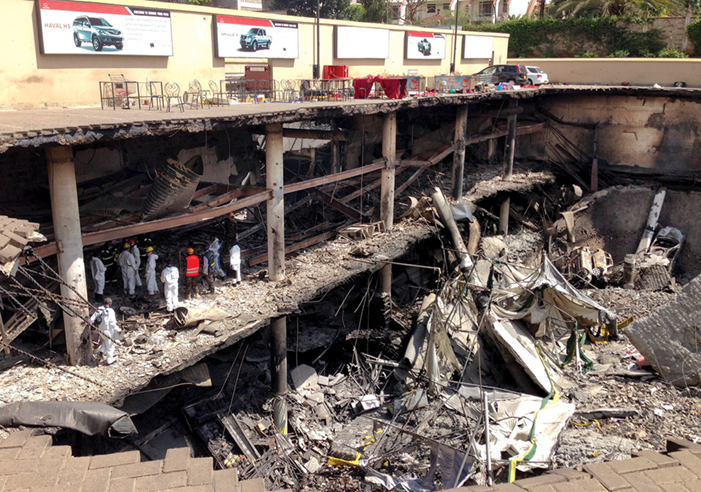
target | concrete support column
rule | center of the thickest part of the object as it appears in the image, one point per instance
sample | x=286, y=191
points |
x=278, y=370
x=504, y=217
x=276, y=205
x=459, y=155
x=389, y=152
x=335, y=157
x=492, y=150
x=71, y=265
x=510, y=147
x=386, y=279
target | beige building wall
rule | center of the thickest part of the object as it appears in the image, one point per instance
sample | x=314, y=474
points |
x=614, y=71
x=29, y=79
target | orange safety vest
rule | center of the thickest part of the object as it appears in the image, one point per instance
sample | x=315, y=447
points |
x=192, y=268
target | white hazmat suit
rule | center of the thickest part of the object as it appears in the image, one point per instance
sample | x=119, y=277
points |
x=235, y=262
x=137, y=258
x=109, y=327
x=169, y=277
x=151, y=284
x=97, y=268
x=128, y=266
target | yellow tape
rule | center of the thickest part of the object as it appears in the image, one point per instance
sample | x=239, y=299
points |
x=588, y=424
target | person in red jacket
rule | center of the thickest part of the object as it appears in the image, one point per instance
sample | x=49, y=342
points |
x=192, y=273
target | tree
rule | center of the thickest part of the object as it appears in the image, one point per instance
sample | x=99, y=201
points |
x=562, y=9
x=411, y=15
x=330, y=9
x=375, y=10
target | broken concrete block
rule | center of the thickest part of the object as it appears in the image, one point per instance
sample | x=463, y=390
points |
x=304, y=376
x=669, y=337
x=9, y=253
x=494, y=247
x=15, y=240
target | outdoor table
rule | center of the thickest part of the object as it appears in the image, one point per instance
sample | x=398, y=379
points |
x=453, y=82
x=362, y=86
x=394, y=87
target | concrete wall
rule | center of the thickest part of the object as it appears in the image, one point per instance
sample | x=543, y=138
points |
x=29, y=79
x=660, y=132
x=614, y=71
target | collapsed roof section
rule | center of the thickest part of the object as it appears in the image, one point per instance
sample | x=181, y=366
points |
x=15, y=234
x=545, y=295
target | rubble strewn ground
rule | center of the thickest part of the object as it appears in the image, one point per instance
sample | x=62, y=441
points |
x=250, y=305
x=362, y=418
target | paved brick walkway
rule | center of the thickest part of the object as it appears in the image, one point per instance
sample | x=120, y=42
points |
x=32, y=464
x=677, y=470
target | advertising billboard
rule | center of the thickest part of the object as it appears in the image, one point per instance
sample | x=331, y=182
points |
x=78, y=28
x=477, y=46
x=362, y=42
x=425, y=45
x=246, y=37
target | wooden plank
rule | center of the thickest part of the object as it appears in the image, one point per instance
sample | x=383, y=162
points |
x=313, y=183
x=520, y=130
x=227, y=197
x=341, y=207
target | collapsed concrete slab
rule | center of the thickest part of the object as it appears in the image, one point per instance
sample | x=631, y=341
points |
x=669, y=338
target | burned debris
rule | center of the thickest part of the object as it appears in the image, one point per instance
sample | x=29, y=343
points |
x=474, y=341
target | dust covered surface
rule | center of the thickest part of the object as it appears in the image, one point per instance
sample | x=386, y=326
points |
x=164, y=350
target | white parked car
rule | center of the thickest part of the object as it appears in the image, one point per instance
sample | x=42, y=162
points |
x=536, y=76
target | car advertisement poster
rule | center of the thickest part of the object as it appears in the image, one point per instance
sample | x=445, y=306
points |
x=478, y=47
x=425, y=45
x=248, y=37
x=74, y=28
x=362, y=42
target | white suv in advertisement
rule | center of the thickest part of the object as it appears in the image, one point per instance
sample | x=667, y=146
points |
x=536, y=76
x=96, y=31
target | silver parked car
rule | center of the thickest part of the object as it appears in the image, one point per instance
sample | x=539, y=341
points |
x=536, y=76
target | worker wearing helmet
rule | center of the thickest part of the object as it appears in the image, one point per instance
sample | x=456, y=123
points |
x=128, y=266
x=192, y=273
x=231, y=231
x=151, y=284
x=134, y=250
x=108, y=256
x=143, y=242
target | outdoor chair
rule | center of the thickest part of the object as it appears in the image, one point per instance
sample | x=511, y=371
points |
x=310, y=90
x=150, y=94
x=288, y=90
x=172, y=91
x=218, y=97
x=194, y=94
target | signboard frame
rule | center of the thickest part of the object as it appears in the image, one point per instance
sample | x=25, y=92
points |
x=414, y=50
x=271, y=25
x=487, y=51
x=354, y=33
x=104, y=9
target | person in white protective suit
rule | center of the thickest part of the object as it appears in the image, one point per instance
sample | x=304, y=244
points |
x=108, y=326
x=137, y=259
x=169, y=277
x=98, y=270
x=235, y=262
x=151, y=284
x=127, y=264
